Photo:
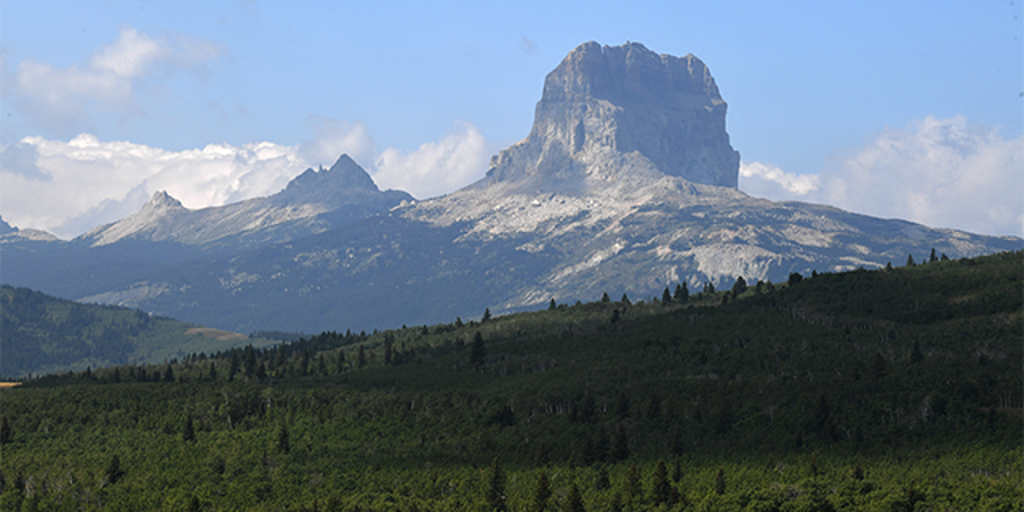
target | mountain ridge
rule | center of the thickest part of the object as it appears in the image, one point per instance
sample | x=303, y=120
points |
x=579, y=208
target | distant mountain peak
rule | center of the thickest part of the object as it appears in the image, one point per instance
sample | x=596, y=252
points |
x=344, y=176
x=161, y=200
x=6, y=228
x=610, y=108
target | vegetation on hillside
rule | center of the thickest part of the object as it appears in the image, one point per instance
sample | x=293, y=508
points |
x=43, y=335
x=896, y=389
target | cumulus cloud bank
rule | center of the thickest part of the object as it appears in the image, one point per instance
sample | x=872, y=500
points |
x=70, y=187
x=63, y=100
x=939, y=172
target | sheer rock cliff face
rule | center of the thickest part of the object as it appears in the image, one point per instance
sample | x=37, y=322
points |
x=606, y=109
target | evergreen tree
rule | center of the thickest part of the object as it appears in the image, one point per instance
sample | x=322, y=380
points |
x=169, y=374
x=625, y=300
x=496, y=498
x=615, y=315
x=602, y=481
x=541, y=493
x=552, y=305
x=910, y=260
x=682, y=293
x=476, y=351
x=720, y=481
x=188, y=434
x=361, y=358
x=283, y=443
x=915, y=355
x=933, y=258
x=213, y=370
x=236, y=363
x=795, y=278
x=574, y=501
x=622, y=406
x=661, y=490
x=114, y=471
x=487, y=315
x=605, y=297
x=666, y=297
x=6, y=434
x=739, y=286
x=633, y=487
x=339, y=363
x=620, y=445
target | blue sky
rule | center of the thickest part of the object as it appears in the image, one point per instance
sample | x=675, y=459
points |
x=894, y=109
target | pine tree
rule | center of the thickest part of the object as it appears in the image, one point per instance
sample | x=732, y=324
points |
x=682, y=294
x=114, y=471
x=625, y=300
x=487, y=315
x=339, y=363
x=620, y=445
x=574, y=501
x=361, y=358
x=666, y=297
x=622, y=406
x=602, y=481
x=910, y=260
x=933, y=258
x=541, y=493
x=633, y=483
x=552, y=305
x=661, y=490
x=915, y=355
x=605, y=297
x=6, y=434
x=496, y=489
x=283, y=443
x=739, y=286
x=188, y=434
x=720, y=481
x=615, y=315
x=476, y=351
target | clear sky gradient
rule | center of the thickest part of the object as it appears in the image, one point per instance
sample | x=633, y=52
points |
x=897, y=109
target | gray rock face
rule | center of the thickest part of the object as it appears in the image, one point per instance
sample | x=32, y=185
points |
x=609, y=108
x=311, y=203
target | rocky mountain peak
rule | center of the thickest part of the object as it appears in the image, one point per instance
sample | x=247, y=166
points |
x=161, y=200
x=344, y=174
x=6, y=228
x=624, y=107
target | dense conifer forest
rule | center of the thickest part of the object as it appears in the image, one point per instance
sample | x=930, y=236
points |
x=896, y=389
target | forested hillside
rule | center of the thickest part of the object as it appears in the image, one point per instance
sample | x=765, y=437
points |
x=44, y=334
x=896, y=389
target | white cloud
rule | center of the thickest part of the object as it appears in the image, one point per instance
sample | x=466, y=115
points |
x=64, y=100
x=766, y=180
x=90, y=182
x=334, y=137
x=436, y=167
x=70, y=187
x=939, y=172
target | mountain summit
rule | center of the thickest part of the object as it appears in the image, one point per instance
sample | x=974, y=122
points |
x=614, y=110
x=625, y=184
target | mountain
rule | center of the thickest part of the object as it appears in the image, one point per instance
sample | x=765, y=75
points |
x=110, y=263
x=313, y=202
x=625, y=184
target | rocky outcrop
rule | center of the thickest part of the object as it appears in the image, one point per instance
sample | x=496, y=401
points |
x=609, y=109
x=313, y=202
